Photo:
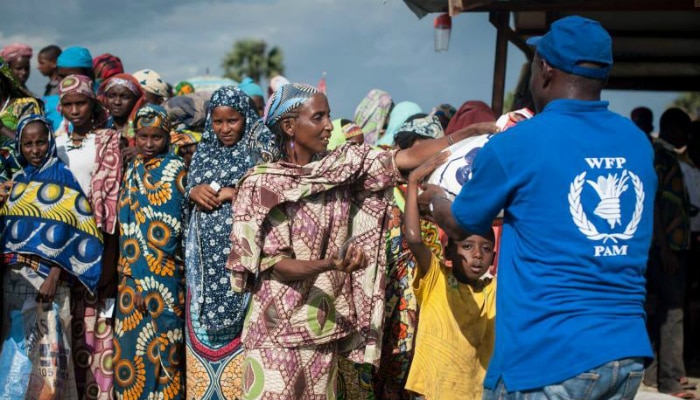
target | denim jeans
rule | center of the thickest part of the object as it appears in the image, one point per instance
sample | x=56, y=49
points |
x=616, y=380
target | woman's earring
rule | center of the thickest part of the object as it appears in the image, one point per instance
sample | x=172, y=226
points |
x=294, y=152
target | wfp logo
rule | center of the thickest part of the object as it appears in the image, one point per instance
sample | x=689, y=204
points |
x=609, y=186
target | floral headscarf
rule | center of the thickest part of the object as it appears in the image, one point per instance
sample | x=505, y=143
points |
x=152, y=82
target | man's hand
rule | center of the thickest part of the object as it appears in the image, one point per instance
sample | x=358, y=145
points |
x=424, y=199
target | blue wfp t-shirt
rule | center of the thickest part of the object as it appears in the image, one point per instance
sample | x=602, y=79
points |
x=577, y=185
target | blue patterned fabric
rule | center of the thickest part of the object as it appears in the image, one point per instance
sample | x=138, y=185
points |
x=218, y=308
x=47, y=215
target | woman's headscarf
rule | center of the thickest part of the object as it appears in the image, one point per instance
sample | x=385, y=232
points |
x=76, y=84
x=371, y=114
x=152, y=115
x=276, y=83
x=427, y=127
x=81, y=84
x=17, y=91
x=47, y=215
x=15, y=51
x=250, y=88
x=75, y=57
x=444, y=112
x=184, y=138
x=400, y=114
x=208, y=242
x=471, y=112
x=129, y=82
x=152, y=82
x=105, y=66
x=286, y=99
x=183, y=88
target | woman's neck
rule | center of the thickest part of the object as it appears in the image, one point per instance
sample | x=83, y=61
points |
x=120, y=122
x=83, y=129
x=297, y=156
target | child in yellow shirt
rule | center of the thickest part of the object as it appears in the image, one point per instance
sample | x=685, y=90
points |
x=455, y=335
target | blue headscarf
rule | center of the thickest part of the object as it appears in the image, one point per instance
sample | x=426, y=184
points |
x=75, y=57
x=400, y=114
x=47, y=215
x=285, y=99
x=215, y=307
x=250, y=88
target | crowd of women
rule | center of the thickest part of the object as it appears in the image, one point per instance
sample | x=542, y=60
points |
x=197, y=245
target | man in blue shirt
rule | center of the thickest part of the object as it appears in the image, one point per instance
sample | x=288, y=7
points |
x=576, y=184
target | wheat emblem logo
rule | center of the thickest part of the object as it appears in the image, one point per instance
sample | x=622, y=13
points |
x=609, y=190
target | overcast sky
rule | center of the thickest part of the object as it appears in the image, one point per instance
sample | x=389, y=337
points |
x=361, y=44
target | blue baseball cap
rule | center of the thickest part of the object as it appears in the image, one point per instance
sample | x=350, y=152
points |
x=572, y=41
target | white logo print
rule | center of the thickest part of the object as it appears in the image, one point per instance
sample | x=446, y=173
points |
x=609, y=187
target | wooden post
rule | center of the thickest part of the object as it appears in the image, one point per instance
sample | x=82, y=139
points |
x=501, y=20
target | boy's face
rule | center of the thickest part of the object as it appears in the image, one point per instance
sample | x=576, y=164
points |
x=470, y=257
x=46, y=65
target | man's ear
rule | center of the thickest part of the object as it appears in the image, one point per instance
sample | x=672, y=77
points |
x=547, y=73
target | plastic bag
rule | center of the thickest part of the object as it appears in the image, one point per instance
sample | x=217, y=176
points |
x=46, y=350
x=15, y=366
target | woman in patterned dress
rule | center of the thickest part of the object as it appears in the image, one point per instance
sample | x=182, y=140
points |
x=50, y=242
x=92, y=155
x=317, y=300
x=148, y=334
x=232, y=142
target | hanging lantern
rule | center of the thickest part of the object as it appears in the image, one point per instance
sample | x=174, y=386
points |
x=443, y=28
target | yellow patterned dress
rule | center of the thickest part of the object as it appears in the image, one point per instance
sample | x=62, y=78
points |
x=149, y=346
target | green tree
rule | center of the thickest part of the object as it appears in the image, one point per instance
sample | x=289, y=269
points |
x=251, y=58
x=689, y=102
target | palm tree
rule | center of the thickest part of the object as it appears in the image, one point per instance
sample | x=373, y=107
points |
x=250, y=57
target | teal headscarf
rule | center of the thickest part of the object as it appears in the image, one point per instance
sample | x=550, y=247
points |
x=402, y=112
x=75, y=57
x=249, y=87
